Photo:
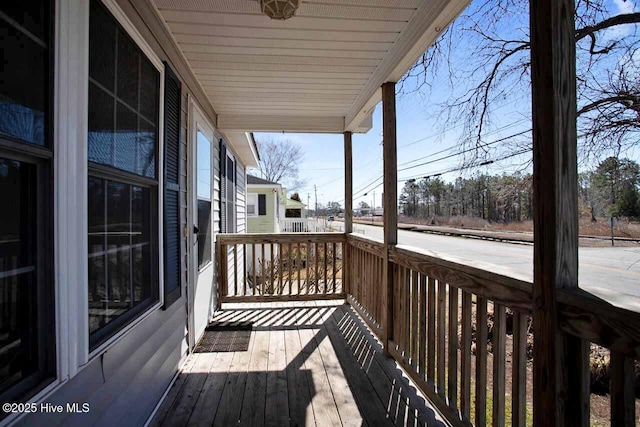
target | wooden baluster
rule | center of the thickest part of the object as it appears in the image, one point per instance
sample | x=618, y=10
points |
x=396, y=304
x=364, y=288
x=452, y=385
x=431, y=330
x=235, y=270
x=308, y=262
x=422, y=328
x=441, y=324
x=316, y=255
x=272, y=270
x=280, y=269
x=333, y=286
x=465, y=371
x=244, y=269
x=289, y=262
x=414, y=320
x=402, y=317
x=299, y=266
x=263, y=279
x=519, y=366
x=481, y=362
x=326, y=269
x=499, y=361
x=222, y=272
x=379, y=291
x=622, y=390
x=254, y=268
x=407, y=313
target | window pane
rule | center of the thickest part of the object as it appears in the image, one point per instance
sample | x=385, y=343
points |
x=140, y=243
x=118, y=246
x=204, y=167
x=19, y=335
x=128, y=70
x=24, y=83
x=121, y=266
x=101, y=126
x=204, y=232
x=102, y=42
x=146, y=157
x=149, y=91
x=32, y=15
x=126, y=138
x=128, y=142
x=102, y=54
x=97, y=253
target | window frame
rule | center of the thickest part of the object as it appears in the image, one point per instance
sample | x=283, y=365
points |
x=41, y=157
x=134, y=315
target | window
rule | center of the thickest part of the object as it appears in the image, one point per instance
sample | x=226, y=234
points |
x=124, y=94
x=228, y=184
x=27, y=316
x=252, y=204
x=203, y=190
x=262, y=204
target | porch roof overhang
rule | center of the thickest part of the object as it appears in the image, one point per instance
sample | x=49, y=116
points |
x=318, y=72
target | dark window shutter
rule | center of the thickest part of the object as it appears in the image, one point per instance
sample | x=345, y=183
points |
x=172, y=235
x=223, y=187
x=262, y=204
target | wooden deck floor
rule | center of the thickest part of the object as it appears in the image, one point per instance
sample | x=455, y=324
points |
x=307, y=364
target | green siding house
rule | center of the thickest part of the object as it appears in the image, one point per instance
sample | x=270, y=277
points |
x=263, y=205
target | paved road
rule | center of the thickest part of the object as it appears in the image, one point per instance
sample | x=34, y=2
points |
x=611, y=273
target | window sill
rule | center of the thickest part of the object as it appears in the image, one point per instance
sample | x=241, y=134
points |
x=114, y=340
x=204, y=267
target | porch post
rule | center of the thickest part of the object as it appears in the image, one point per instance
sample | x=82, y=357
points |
x=559, y=385
x=390, y=205
x=348, y=212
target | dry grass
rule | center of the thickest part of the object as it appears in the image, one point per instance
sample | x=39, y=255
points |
x=601, y=227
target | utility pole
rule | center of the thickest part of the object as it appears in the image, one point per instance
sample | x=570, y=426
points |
x=315, y=190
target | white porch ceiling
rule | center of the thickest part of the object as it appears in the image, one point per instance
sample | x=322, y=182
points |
x=319, y=71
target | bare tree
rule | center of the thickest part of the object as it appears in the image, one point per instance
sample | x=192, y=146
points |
x=279, y=160
x=484, y=58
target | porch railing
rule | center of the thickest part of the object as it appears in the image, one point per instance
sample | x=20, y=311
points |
x=271, y=267
x=453, y=323
x=300, y=225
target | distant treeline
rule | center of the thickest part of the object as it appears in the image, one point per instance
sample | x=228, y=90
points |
x=611, y=190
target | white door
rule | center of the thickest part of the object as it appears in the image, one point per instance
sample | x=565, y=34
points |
x=202, y=283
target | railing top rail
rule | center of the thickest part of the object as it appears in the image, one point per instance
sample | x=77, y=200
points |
x=359, y=237
x=251, y=238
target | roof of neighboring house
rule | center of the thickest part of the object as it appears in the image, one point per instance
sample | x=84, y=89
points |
x=294, y=204
x=259, y=181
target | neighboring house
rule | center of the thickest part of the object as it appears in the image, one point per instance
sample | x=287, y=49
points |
x=263, y=205
x=294, y=208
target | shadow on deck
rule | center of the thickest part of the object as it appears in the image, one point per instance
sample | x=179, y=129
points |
x=307, y=364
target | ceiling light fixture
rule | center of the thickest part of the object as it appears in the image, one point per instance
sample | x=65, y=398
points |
x=279, y=9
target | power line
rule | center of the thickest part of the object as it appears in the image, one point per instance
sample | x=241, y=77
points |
x=484, y=163
x=467, y=139
x=455, y=127
x=465, y=151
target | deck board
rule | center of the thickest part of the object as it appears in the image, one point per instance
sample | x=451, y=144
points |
x=310, y=363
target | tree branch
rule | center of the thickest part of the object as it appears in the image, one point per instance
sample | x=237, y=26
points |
x=625, y=18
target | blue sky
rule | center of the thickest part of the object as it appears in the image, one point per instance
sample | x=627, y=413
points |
x=422, y=138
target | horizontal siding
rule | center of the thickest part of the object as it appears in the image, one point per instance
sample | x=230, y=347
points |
x=129, y=378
